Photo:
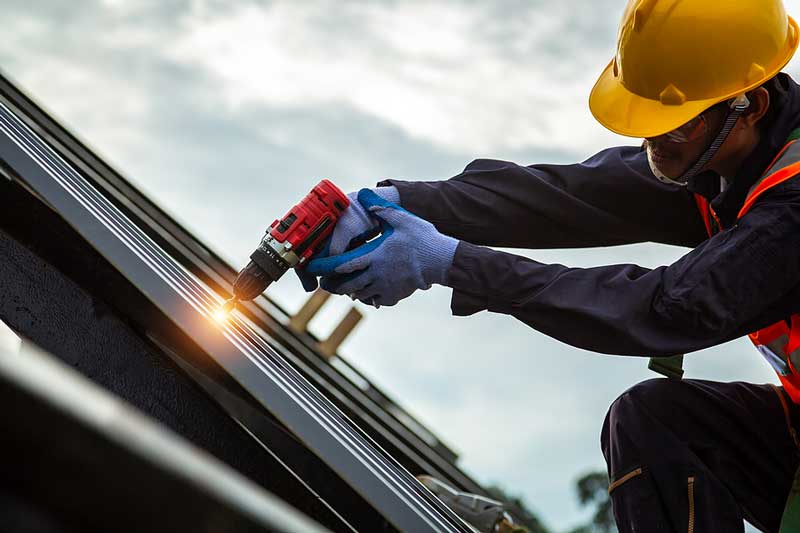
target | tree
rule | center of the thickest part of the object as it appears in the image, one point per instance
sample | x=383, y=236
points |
x=592, y=489
x=518, y=509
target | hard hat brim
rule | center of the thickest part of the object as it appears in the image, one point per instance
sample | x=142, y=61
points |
x=631, y=115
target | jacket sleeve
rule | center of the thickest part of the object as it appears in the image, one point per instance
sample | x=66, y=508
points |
x=735, y=283
x=612, y=198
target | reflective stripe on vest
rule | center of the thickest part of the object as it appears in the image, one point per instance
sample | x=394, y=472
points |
x=780, y=342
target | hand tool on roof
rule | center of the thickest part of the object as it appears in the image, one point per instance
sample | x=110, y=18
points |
x=484, y=514
x=290, y=241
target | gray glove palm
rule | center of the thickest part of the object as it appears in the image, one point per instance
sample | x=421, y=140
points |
x=355, y=226
x=409, y=255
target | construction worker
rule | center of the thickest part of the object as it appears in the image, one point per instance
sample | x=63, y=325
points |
x=701, y=82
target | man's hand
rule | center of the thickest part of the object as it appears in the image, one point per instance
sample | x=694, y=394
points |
x=409, y=254
x=355, y=227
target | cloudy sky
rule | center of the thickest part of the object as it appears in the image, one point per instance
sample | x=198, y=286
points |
x=227, y=112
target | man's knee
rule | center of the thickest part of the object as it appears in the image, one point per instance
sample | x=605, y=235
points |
x=636, y=402
x=645, y=393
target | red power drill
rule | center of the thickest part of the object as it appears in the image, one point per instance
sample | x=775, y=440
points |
x=291, y=241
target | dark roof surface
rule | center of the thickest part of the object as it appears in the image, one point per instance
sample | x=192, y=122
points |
x=129, y=255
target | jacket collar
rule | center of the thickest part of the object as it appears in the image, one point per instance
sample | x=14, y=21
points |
x=727, y=203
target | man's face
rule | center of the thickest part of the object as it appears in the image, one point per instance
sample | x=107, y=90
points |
x=674, y=153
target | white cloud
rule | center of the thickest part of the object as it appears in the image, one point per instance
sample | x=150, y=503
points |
x=441, y=71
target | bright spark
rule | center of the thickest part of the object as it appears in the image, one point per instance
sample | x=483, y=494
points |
x=221, y=315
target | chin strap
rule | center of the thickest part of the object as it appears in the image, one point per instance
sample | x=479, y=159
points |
x=738, y=106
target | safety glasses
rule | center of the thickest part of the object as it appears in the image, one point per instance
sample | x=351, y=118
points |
x=695, y=128
x=689, y=132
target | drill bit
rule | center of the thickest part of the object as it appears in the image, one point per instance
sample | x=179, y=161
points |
x=230, y=304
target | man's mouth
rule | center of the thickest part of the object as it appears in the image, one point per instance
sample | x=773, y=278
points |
x=659, y=155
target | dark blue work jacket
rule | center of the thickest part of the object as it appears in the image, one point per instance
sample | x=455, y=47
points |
x=739, y=281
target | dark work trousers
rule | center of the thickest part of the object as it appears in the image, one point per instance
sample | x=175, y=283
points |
x=699, y=456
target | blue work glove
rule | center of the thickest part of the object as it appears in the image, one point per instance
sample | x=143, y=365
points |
x=410, y=254
x=354, y=227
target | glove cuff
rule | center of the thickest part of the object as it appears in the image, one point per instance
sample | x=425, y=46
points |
x=440, y=253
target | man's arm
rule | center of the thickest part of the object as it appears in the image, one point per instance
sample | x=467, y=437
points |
x=612, y=198
x=730, y=285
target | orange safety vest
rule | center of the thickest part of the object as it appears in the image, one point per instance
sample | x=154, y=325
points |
x=780, y=342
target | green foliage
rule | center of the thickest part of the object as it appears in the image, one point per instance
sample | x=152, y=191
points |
x=592, y=489
x=518, y=509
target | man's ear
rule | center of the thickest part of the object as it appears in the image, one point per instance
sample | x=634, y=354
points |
x=759, y=105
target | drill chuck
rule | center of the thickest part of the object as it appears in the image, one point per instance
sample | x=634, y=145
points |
x=267, y=264
x=251, y=282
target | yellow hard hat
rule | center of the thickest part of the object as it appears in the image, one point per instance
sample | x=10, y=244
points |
x=676, y=58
